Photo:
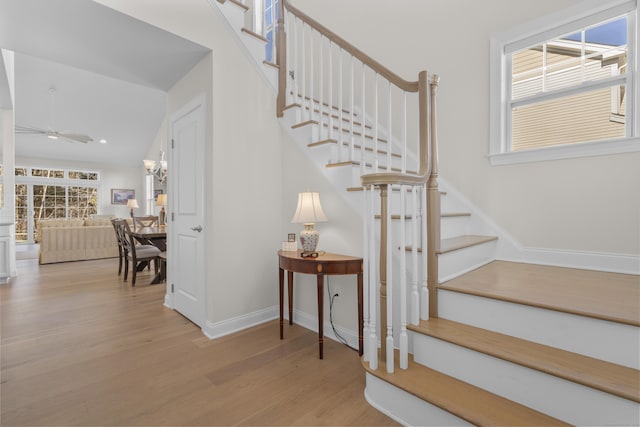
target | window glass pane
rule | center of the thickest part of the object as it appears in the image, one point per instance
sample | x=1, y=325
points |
x=21, y=171
x=579, y=118
x=595, y=53
x=269, y=46
x=93, y=176
x=47, y=173
x=83, y=201
x=22, y=218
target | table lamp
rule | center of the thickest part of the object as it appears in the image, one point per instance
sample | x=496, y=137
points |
x=308, y=213
x=133, y=204
x=162, y=201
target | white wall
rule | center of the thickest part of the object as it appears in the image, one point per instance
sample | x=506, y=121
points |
x=587, y=204
x=255, y=172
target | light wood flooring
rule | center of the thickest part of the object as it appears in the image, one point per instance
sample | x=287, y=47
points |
x=81, y=348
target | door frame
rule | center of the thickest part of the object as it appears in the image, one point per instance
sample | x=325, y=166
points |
x=198, y=102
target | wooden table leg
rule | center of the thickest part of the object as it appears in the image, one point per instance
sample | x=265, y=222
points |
x=290, y=284
x=281, y=287
x=320, y=312
x=360, y=317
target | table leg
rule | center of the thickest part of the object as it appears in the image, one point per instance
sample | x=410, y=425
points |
x=290, y=284
x=320, y=312
x=281, y=288
x=360, y=316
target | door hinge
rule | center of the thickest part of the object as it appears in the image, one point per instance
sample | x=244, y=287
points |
x=172, y=288
x=173, y=216
x=172, y=143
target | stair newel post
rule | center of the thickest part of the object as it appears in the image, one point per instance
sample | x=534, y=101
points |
x=281, y=61
x=433, y=208
x=404, y=339
x=373, y=283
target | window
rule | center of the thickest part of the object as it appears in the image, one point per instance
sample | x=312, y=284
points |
x=566, y=86
x=47, y=193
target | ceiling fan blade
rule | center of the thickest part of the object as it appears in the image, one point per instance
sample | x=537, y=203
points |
x=75, y=137
x=29, y=130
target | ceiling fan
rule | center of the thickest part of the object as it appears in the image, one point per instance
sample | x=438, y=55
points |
x=54, y=134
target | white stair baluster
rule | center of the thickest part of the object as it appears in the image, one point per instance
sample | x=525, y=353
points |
x=362, y=119
x=404, y=132
x=351, y=86
x=340, y=134
x=389, y=249
x=303, y=77
x=404, y=339
x=415, y=221
x=321, y=89
x=376, y=120
x=331, y=91
x=311, y=80
x=373, y=285
x=424, y=296
x=389, y=128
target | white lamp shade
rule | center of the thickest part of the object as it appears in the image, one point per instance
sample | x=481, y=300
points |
x=309, y=209
x=149, y=164
x=132, y=203
x=162, y=200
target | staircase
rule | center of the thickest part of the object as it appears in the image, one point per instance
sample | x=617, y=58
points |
x=451, y=337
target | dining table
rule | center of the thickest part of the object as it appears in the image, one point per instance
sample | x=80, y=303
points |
x=156, y=236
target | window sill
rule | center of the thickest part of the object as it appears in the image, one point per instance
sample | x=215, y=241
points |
x=568, y=151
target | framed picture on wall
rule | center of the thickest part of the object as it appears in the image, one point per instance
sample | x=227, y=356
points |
x=155, y=194
x=120, y=196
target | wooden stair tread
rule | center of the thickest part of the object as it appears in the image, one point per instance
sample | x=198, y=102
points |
x=614, y=297
x=346, y=144
x=368, y=165
x=460, y=242
x=471, y=403
x=271, y=64
x=354, y=189
x=601, y=375
x=454, y=214
x=254, y=34
x=324, y=104
x=444, y=215
x=344, y=129
x=237, y=3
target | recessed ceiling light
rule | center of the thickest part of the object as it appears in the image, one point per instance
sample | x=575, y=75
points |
x=103, y=141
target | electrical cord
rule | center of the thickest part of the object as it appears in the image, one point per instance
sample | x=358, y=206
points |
x=331, y=298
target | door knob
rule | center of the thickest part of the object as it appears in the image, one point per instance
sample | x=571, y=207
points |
x=197, y=228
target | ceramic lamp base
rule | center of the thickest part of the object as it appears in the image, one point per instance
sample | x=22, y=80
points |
x=309, y=238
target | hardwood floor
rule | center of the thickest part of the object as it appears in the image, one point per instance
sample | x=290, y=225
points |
x=80, y=347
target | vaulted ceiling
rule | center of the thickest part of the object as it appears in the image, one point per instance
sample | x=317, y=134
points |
x=110, y=73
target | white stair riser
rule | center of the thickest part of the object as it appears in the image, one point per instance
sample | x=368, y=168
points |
x=562, y=399
x=404, y=407
x=454, y=226
x=610, y=341
x=455, y=263
x=234, y=14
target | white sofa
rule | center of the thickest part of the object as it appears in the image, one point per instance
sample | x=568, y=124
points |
x=76, y=239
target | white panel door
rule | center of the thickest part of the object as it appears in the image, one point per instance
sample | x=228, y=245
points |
x=187, y=248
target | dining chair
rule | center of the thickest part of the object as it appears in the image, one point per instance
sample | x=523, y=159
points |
x=145, y=221
x=121, y=254
x=136, y=254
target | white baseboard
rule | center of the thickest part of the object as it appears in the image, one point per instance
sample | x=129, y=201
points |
x=236, y=324
x=614, y=263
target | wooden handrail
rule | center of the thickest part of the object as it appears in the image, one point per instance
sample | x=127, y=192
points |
x=354, y=51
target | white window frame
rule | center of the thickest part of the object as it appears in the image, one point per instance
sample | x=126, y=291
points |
x=573, y=19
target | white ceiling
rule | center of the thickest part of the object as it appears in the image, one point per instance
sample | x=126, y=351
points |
x=110, y=72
